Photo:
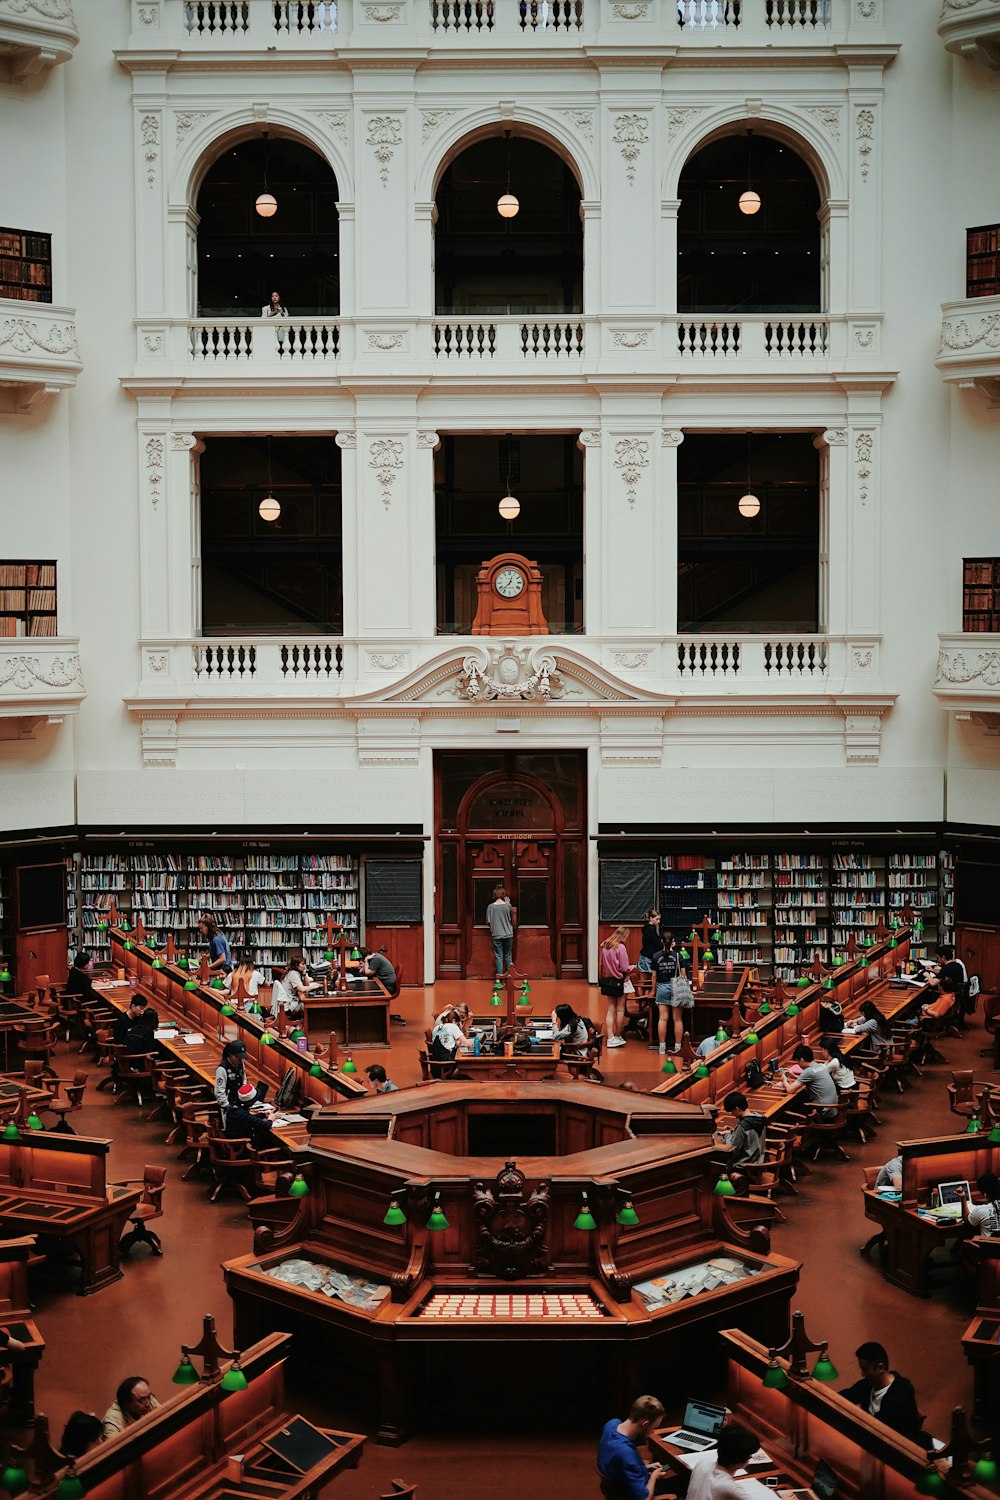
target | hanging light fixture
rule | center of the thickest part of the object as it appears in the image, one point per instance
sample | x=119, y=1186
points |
x=749, y=504
x=267, y=203
x=507, y=205
x=749, y=199
x=509, y=507
x=269, y=508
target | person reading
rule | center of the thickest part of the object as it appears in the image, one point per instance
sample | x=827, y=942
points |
x=80, y=980
x=290, y=990
x=247, y=1120
x=884, y=1393
x=380, y=1080
x=134, y=1030
x=746, y=1139
x=874, y=1028
x=83, y=1431
x=714, y=1475
x=814, y=1078
x=569, y=1029
x=134, y=1400
x=624, y=1473
x=251, y=976
x=377, y=966
x=983, y=1218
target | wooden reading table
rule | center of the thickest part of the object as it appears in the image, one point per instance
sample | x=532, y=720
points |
x=910, y=1234
x=55, y=1186
x=807, y=1422
x=981, y=1340
x=15, y=1319
x=359, y=1015
x=183, y=1450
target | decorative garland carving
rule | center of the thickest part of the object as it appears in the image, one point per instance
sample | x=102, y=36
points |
x=631, y=134
x=383, y=661
x=631, y=458
x=583, y=119
x=385, y=341
x=681, y=116
x=864, y=445
x=23, y=335
x=49, y=10
x=826, y=115
x=335, y=121
x=25, y=672
x=507, y=672
x=511, y=1226
x=630, y=338
x=865, y=124
x=187, y=119
x=959, y=335
x=154, y=468
x=952, y=666
x=631, y=660
x=430, y=119
x=385, y=133
x=385, y=458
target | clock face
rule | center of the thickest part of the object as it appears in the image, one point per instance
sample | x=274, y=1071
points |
x=509, y=582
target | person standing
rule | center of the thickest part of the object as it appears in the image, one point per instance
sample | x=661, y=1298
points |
x=666, y=967
x=613, y=970
x=274, y=308
x=500, y=918
x=650, y=946
x=377, y=966
x=220, y=958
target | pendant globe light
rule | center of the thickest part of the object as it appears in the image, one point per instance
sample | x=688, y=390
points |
x=507, y=205
x=266, y=204
x=749, y=505
x=749, y=199
x=269, y=508
x=510, y=506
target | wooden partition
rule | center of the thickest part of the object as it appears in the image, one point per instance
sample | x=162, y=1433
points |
x=179, y=1451
x=200, y=1010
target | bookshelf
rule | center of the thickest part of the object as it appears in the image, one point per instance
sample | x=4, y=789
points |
x=7, y=954
x=913, y=879
x=946, y=915
x=157, y=885
x=857, y=896
x=215, y=883
x=27, y=598
x=331, y=886
x=25, y=266
x=980, y=594
x=801, y=891
x=744, y=909
x=687, y=892
x=273, y=906
x=982, y=261
x=100, y=880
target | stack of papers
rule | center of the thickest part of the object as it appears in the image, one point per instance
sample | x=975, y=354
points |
x=691, y=1281
x=193, y=1038
x=313, y=1276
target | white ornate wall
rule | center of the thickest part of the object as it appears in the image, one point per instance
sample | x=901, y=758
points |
x=107, y=153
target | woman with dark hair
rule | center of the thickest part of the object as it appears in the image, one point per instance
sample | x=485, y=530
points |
x=82, y=1432
x=874, y=1027
x=838, y=1067
x=80, y=981
x=220, y=959
x=568, y=1028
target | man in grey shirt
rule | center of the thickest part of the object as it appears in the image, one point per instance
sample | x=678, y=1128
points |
x=816, y=1080
x=377, y=966
x=500, y=916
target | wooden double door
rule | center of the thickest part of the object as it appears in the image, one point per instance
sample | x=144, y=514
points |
x=511, y=831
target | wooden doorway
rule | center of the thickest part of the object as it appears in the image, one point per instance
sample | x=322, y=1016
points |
x=515, y=828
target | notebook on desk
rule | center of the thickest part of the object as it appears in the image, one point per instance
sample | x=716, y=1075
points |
x=700, y=1429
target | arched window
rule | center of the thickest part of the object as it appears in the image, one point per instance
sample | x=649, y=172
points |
x=529, y=263
x=243, y=256
x=732, y=261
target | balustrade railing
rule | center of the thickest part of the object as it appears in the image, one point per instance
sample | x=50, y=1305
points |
x=546, y=338
x=705, y=657
x=236, y=18
x=266, y=660
x=723, y=15
x=759, y=336
x=228, y=340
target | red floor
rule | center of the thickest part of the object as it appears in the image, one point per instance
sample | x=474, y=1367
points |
x=136, y=1327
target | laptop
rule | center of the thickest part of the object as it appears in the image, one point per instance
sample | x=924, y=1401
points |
x=946, y=1199
x=824, y=1486
x=700, y=1429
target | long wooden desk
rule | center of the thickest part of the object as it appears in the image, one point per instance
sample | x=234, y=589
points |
x=199, y=1010
x=359, y=1015
x=181, y=1451
x=910, y=1236
x=15, y=1319
x=55, y=1186
x=981, y=1340
x=807, y=1422
x=13, y=1015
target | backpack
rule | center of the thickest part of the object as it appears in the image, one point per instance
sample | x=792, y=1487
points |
x=754, y=1074
x=289, y=1094
x=831, y=1017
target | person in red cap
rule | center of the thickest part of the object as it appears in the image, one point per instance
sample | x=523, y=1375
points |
x=246, y=1120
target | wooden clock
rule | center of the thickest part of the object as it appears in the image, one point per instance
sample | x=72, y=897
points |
x=510, y=597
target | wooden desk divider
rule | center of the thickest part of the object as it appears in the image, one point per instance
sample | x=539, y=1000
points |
x=807, y=1421
x=188, y=1447
x=981, y=1340
x=200, y=1008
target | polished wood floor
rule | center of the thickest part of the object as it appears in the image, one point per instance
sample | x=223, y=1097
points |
x=136, y=1327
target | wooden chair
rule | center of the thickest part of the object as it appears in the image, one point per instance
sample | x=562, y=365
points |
x=150, y=1206
x=962, y=1089
x=66, y=1011
x=585, y=1061
x=820, y=1134
x=861, y=1116
x=37, y=1042
x=135, y=1075
x=991, y=1021
x=75, y=1089
x=104, y=1054
x=400, y=1490
x=200, y=1123
x=869, y=1175
x=182, y=1095
x=901, y=1061
x=231, y=1163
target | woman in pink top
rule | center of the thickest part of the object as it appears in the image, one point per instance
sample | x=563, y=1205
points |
x=613, y=971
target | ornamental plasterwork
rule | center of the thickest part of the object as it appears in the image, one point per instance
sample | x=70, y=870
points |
x=428, y=440
x=862, y=738
x=952, y=666
x=631, y=134
x=382, y=12
x=635, y=12
x=154, y=468
x=149, y=131
x=508, y=672
x=50, y=10
x=385, y=341
x=630, y=338
x=959, y=335
x=583, y=119
x=865, y=127
x=866, y=10
x=430, y=119
x=23, y=336
x=335, y=121
x=864, y=338
x=861, y=657
x=387, y=661
x=153, y=343
x=671, y=438
x=864, y=445
x=187, y=119
x=589, y=439
x=385, y=459
x=835, y=437
x=826, y=115
x=679, y=118
x=180, y=442
x=149, y=15
x=346, y=440
x=631, y=458
x=632, y=661
x=385, y=133
x=25, y=672
x=156, y=662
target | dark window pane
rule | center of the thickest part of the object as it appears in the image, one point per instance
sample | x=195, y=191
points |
x=533, y=902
